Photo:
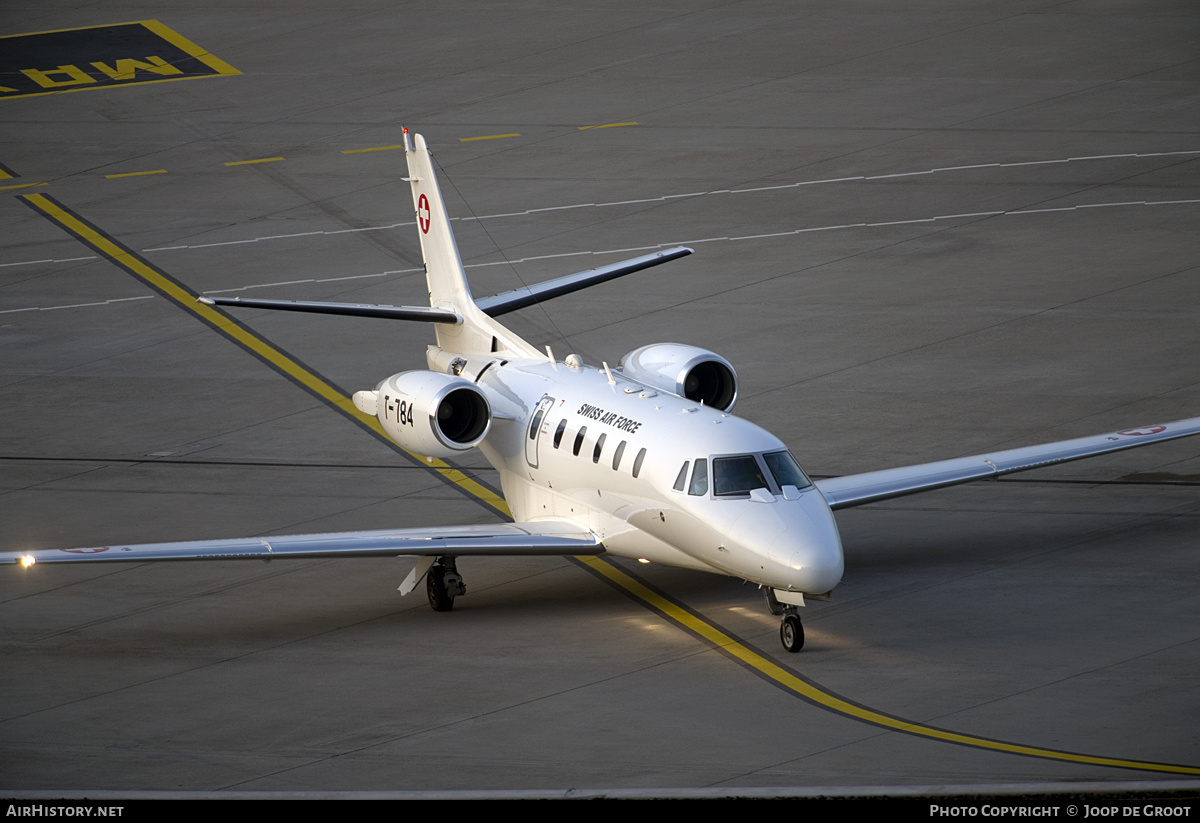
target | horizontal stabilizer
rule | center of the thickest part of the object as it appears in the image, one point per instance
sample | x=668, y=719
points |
x=420, y=313
x=544, y=537
x=520, y=298
x=858, y=489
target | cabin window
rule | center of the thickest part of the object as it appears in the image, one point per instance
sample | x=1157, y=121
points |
x=786, y=470
x=699, y=478
x=637, y=462
x=599, y=448
x=558, y=433
x=682, y=478
x=617, y=455
x=579, y=440
x=737, y=475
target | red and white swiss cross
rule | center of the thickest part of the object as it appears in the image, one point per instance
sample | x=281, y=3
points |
x=423, y=214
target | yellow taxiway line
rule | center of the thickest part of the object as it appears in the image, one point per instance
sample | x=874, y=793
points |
x=252, y=162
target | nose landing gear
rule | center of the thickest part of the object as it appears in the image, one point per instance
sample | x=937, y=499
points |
x=791, y=632
x=773, y=605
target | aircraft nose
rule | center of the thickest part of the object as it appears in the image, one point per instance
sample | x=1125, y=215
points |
x=798, y=543
x=815, y=555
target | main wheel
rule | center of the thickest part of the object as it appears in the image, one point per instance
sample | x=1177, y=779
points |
x=791, y=633
x=435, y=586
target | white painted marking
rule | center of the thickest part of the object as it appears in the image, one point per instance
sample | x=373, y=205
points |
x=902, y=174
x=666, y=197
x=48, y=260
x=80, y=305
x=667, y=245
x=315, y=280
x=652, y=247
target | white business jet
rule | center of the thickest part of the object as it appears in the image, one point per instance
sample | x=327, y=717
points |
x=641, y=460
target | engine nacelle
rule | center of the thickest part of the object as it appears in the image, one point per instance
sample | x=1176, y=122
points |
x=687, y=371
x=434, y=414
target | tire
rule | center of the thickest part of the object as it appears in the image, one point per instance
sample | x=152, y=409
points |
x=435, y=587
x=791, y=633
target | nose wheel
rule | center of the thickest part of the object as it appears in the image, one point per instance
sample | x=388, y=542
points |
x=791, y=632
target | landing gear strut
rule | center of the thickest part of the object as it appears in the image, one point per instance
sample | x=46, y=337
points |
x=791, y=632
x=443, y=583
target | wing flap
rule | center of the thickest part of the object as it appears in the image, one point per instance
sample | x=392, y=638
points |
x=549, y=537
x=859, y=489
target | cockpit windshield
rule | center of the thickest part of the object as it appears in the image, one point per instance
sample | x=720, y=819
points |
x=741, y=474
x=737, y=475
x=786, y=470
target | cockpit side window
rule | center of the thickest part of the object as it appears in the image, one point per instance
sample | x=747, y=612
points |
x=786, y=470
x=682, y=478
x=737, y=475
x=699, y=484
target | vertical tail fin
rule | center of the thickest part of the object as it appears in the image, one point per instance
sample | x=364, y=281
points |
x=444, y=274
x=443, y=267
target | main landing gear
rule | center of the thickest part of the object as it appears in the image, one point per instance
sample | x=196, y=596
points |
x=443, y=583
x=791, y=632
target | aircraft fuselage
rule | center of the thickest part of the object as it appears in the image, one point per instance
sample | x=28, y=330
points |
x=656, y=476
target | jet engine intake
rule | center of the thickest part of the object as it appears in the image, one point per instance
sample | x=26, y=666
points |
x=687, y=371
x=434, y=414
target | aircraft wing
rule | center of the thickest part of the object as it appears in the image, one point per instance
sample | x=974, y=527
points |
x=858, y=489
x=546, y=537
